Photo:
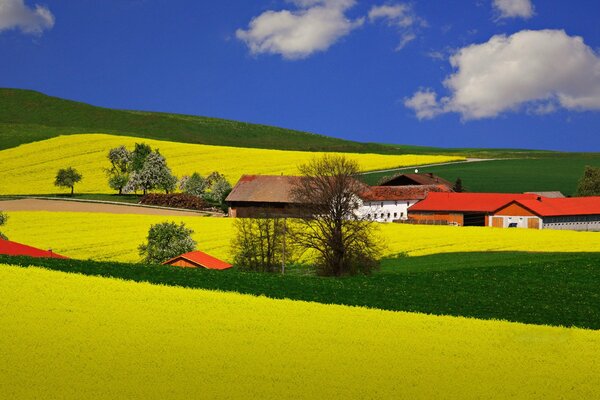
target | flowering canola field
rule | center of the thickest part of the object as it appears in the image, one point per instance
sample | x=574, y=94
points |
x=72, y=336
x=31, y=168
x=101, y=236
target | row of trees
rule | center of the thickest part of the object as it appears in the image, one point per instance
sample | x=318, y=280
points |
x=141, y=169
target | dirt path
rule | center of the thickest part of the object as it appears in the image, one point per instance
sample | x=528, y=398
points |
x=79, y=206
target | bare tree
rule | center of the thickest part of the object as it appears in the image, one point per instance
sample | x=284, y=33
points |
x=260, y=244
x=332, y=229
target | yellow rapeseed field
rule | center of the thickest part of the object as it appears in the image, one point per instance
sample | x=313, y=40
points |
x=101, y=236
x=68, y=336
x=31, y=168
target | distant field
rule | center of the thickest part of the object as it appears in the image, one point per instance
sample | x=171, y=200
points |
x=72, y=336
x=116, y=237
x=511, y=176
x=514, y=286
x=31, y=168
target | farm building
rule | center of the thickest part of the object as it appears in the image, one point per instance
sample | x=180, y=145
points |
x=17, y=249
x=415, y=179
x=508, y=211
x=464, y=209
x=577, y=213
x=263, y=196
x=271, y=196
x=197, y=259
x=390, y=203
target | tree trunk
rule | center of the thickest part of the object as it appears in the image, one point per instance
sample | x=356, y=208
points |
x=72, y=188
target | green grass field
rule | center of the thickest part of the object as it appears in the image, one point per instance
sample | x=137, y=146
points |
x=28, y=116
x=539, y=288
x=511, y=176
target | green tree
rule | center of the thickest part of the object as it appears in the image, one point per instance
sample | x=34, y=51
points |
x=589, y=184
x=154, y=174
x=219, y=188
x=195, y=184
x=458, y=186
x=3, y=219
x=67, y=178
x=166, y=240
x=118, y=173
x=139, y=155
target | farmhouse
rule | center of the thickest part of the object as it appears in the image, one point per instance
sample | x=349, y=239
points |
x=17, y=249
x=271, y=196
x=415, y=179
x=508, y=211
x=390, y=203
x=197, y=259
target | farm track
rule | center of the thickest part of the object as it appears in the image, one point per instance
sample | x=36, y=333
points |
x=468, y=160
x=92, y=206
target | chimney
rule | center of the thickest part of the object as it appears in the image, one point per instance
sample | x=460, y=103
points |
x=539, y=198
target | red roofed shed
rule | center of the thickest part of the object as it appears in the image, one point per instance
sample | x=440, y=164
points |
x=197, y=259
x=17, y=249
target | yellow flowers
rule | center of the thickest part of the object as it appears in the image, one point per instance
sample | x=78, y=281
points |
x=30, y=168
x=71, y=336
x=101, y=236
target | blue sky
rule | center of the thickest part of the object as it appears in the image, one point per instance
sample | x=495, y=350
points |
x=421, y=72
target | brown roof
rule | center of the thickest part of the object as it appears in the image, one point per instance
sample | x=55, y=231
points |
x=417, y=179
x=409, y=192
x=263, y=189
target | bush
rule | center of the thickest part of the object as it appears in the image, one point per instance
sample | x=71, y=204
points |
x=175, y=200
x=3, y=219
x=165, y=241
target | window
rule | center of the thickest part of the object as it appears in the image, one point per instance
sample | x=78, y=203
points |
x=382, y=214
x=369, y=216
x=389, y=215
x=382, y=204
x=395, y=215
x=402, y=214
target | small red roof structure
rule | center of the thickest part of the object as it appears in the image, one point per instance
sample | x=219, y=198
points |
x=468, y=202
x=196, y=259
x=17, y=249
x=569, y=206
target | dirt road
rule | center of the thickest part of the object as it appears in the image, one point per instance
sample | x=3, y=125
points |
x=78, y=206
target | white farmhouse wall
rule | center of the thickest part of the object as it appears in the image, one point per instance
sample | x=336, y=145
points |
x=386, y=211
x=521, y=221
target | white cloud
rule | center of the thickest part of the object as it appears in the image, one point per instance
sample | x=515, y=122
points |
x=315, y=25
x=402, y=17
x=514, y=8
x=541, y=71
x=15, y=14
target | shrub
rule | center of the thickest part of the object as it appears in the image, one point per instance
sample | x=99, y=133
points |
x=175, y=200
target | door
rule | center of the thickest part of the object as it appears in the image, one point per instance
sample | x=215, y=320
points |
x=533, y=223
x=498, y=222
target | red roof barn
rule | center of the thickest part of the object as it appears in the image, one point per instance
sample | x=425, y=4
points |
x=197, y=259
x=17, y=249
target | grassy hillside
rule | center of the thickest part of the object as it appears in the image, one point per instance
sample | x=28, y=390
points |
x=27, y=116
x=515, y=286
x=511, y=176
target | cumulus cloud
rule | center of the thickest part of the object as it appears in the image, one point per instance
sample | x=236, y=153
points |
x=16, y=14
x=514, y=8
x=536, y=71
x=401, y=16
x=315, y=25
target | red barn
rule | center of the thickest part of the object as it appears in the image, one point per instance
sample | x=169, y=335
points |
x=197, y=259
x=17, y=249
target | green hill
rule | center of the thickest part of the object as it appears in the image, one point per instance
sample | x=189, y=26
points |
x=27, y=116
